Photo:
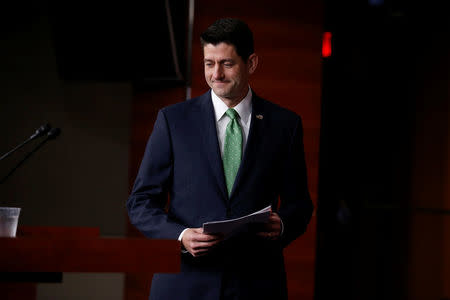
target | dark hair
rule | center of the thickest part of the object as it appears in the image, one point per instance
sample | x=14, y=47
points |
x=230, y=31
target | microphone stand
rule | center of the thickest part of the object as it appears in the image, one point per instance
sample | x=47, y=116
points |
x=16, y=148
x=52, y=134
x=39, y=132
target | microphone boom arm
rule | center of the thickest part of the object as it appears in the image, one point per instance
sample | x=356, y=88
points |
x=39, y=132
x=52, y=134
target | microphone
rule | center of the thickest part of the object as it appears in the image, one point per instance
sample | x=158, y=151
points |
x=39, y=132
x=51, y=135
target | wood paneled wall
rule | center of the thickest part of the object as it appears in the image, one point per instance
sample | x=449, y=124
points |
x=288, y=41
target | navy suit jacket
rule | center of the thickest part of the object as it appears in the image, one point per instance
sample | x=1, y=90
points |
x=182, y=160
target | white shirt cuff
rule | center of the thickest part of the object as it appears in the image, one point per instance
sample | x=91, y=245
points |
x=181, y=234
x=179, y=239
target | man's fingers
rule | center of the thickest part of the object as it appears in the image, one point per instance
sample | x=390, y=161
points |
x=272, y=227
x=198, y=235
x=268, y=235
x=198, y=243
x=195, y=246
x=273, y=221
x=199, y=253
x=274, y=218
x=200, y=249
x=206, y=238
x=203, y=245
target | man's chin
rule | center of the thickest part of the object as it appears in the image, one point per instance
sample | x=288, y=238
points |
x=221, y=93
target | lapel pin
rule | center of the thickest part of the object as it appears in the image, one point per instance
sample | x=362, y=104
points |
x=259, y=117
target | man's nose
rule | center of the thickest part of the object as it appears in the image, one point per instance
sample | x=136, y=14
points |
x=218, y=72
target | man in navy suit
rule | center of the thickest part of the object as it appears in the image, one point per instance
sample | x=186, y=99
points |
x=219, y=156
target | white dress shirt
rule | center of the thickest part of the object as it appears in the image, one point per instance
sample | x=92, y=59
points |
x=244, y=109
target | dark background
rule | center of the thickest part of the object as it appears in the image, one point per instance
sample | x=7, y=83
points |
x=383, y=230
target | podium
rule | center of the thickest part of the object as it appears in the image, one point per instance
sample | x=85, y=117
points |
x=42, y=254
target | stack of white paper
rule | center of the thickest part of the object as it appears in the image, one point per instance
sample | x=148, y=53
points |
x=228, y=227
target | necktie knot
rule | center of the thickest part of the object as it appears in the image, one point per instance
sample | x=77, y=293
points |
x=232, y=114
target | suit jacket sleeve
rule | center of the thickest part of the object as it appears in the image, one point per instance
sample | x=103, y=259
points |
x=295, y=203
x=149, y=197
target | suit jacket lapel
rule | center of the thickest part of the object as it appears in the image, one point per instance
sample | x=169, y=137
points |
x=255, y=136
x=211, y=142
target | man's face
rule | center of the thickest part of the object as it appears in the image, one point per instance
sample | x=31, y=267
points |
x=225, y=71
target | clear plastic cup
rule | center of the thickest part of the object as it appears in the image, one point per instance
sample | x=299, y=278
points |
x=9, y=217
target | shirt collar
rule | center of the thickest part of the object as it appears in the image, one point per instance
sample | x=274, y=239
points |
x=244, y=108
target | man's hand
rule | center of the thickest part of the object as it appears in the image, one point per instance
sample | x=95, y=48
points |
x=197, y=243
x=272, y=229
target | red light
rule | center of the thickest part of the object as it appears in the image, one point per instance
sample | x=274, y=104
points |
x=326, y=44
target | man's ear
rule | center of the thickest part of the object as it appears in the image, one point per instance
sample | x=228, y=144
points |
x=252, y=63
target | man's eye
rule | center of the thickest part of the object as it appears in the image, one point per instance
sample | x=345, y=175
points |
x=208, y=64
x=228, y=65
